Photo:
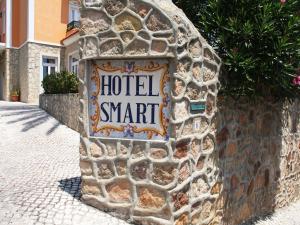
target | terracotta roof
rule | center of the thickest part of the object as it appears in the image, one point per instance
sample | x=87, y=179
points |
x=70, y=34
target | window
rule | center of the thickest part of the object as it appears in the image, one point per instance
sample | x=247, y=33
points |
x=74, y=14
x=74, y=63
x=49, y=65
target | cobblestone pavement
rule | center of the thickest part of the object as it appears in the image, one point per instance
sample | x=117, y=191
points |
x=286, y=216
x=39, y=171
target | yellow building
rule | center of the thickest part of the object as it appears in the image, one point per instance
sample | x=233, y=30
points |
x=37, y=37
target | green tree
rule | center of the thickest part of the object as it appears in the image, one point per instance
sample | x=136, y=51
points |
x=258, y=41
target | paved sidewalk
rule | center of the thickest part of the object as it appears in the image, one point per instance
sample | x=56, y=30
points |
x=285, y=216
x=39, y=171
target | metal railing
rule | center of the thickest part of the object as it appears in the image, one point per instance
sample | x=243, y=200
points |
x=72, y=25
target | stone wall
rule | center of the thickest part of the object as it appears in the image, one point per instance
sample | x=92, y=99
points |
x=22, y=69
x=2, y=76
x=63, y=107
x=258, y=157
x=23, y=73
x=13, y=68
x=150, y=182
x=35, y=53
x=9, y=66
x=30, y=68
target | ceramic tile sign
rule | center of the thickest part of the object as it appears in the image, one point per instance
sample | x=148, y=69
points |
x=129, y=99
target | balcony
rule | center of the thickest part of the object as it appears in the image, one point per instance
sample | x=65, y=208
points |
x=72, y=25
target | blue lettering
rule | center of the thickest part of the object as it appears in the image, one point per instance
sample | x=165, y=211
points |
x=151, y=86
x=115, y=108
x=117, y=82
x=153, y=109
x=128, y=114
x=104, y=112
x=141, y=110
x=103, y=85
x=139, y=85
x=128, y=84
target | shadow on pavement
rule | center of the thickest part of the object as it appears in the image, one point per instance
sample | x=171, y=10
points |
x=37, y=113
x=255, y=220
x=19, y=112
x=32, y=116
x=18, y=107
x=71, y=186
x=53, y=128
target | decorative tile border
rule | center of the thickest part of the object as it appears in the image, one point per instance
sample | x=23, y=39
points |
x=128, y=130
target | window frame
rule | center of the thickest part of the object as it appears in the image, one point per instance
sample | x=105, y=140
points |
x=73, y=8
x=58, y=66
x=72, y=64
x=49, y=65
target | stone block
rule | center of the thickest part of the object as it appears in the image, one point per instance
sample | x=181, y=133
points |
x=86, y=168
x=90, y=188
x=150, y=198
x=119, y=191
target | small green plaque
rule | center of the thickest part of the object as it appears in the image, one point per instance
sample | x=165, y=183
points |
x=198, y=107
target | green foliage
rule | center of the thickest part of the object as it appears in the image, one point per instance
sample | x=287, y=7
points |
x=60, y=83
x=15, y=92
x=258, y=41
